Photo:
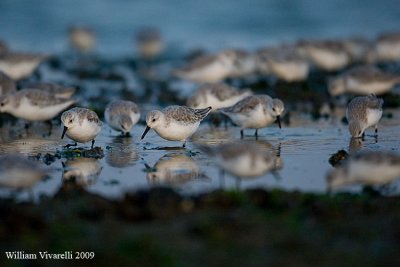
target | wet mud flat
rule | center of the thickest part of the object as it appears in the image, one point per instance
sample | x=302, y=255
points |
x=159, y=227
x=168, y=226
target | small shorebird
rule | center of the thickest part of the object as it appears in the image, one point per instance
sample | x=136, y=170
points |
x=82, y=38
x=255, y=112
x=363, y=112
x=287, y=65
x=327, y=55
x=7, y=85
x=149, y=42
x=20, y=65
x=243, y=64
x=33, y=105
x=122, y=115
x=207, y=68
x=81, y=125
x=363, y=80
x=57, y=90
x=367, y=168
x=386, y=47
x=175, y=123
x=216, y=95
x=356, y=47
x=19, y=173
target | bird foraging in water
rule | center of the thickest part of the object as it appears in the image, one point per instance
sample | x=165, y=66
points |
x=255, y=112
x=363, y=112
x=363, y=80
x=216, y=95
x=175, y=123
x=81, y=125
x=122, y=115
x=34, y=105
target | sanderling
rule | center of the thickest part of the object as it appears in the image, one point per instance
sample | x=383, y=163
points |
x=20, y=65
x=122, y=115
x=216, y=95
x=173, y=169
x=286, y=64
x=57, y=90
x=365, y=167
x=207, y=68
x=33, y=105
x=327, y=55
x=175, y=123
x=82, y=38
x=363, y=80
x=363, y=112
x=19, y=172
x=149, y=42
x=81, y=125
x=243, y=63
x=356, y=47
x=7, y=85
x=241, y=159
x=386, y=47
x=255, y=112
x=84, y=171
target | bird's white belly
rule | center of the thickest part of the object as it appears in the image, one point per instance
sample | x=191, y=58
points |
x=30, y=112
x=329, y=60
x=87, y=132
x=177, y=132
x=353, y=85
x=373, y=116
x=290, y=71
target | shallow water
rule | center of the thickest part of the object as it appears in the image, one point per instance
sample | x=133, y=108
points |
x=304, y=145
x=130, y=164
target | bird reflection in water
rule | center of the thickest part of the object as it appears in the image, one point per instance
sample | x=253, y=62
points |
x=18, y=173
x=174, y=169
x=365, y=168
x=121, y=153
x=244, y=159
x=84, y=171
x=357, y=144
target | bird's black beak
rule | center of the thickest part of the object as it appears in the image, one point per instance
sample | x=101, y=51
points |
x=278, y=120
x=64, y=131
x=145, y=132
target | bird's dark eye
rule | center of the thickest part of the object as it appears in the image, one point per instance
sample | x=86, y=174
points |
x=2, y=104
x=70, y=121
x=273, y=109
x=153, y=120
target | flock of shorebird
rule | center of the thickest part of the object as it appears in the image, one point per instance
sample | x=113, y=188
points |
x=289, y=62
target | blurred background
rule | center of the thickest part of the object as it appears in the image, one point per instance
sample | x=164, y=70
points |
x=42, y=25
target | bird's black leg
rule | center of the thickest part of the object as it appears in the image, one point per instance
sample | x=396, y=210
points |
x=92, y=144
x=184, y=144
x=241, y=134
x=256, y=133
